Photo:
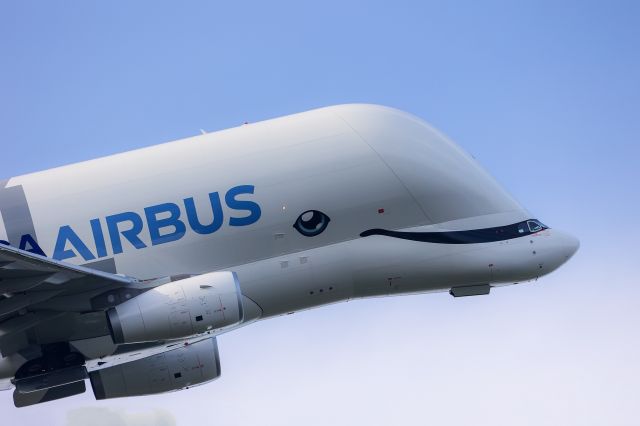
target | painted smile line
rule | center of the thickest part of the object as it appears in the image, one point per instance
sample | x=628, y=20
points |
x=471, y=236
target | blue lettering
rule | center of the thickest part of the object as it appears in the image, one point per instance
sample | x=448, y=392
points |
x=98, y=237
x=163, y=220
x=250, y=206
x=66, y=234
x=192, y=215
x=156, y=224
x=130, y=234
x=33, y=245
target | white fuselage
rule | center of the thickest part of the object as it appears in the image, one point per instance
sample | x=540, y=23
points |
x=154, y=212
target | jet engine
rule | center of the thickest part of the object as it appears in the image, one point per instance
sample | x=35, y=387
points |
x=188, y=365
x=178, y=309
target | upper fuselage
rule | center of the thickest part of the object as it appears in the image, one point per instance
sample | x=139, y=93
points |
x=234, y=199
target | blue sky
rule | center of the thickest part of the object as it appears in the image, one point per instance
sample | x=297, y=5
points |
x=546, y=95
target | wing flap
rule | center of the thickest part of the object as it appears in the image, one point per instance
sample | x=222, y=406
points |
x=24, y=300
x=45, y=395
x=23, y=284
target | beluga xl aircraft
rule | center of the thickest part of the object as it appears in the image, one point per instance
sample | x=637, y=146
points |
x=123, y=270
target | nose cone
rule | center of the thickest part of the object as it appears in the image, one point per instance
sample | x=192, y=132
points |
x=561, y=247
x=569, y=244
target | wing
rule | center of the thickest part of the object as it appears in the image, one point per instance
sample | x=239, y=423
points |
x=35, y=289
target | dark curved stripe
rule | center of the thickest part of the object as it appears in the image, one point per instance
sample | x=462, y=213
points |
x=471, y=236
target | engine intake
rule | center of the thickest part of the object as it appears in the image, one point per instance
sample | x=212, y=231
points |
x=176, y=369
x=178, y=309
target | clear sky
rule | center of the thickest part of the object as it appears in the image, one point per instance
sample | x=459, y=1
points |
x=545, y=94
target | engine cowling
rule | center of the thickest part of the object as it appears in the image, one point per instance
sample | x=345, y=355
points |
x=176, y=369
x=179, y=309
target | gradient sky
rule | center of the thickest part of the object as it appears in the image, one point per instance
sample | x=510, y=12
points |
x=545, y=94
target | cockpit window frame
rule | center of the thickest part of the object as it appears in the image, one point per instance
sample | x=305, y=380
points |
x=535, y=226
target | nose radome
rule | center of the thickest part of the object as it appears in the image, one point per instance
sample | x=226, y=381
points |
x=569, y=244
x=574, y=244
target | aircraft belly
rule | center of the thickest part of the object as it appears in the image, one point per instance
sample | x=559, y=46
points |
x=373, y=266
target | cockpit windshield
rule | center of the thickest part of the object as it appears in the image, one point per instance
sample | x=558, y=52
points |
x=535, y=225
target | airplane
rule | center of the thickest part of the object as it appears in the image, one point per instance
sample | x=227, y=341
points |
x=123, y=270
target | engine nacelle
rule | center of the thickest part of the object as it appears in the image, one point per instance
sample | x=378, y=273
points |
x=178, y=309
x=173, y=370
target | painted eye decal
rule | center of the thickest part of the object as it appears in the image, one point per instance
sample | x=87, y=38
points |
x=311, y=223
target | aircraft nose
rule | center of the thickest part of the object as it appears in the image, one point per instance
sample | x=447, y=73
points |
x=568, y=244
x=574, y=244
